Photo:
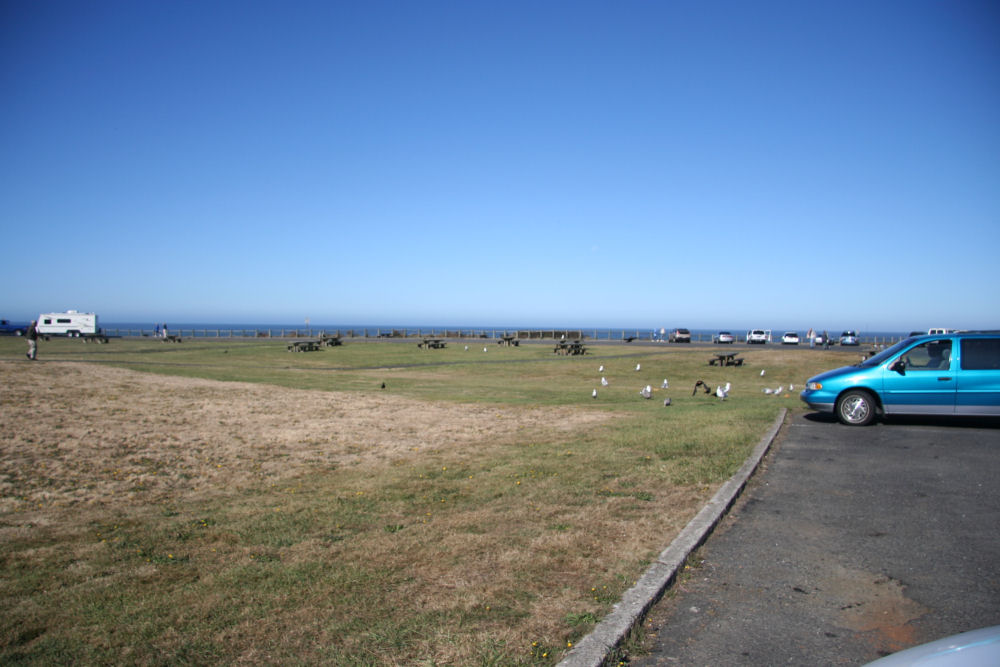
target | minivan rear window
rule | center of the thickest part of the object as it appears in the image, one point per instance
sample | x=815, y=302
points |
x=980, y=354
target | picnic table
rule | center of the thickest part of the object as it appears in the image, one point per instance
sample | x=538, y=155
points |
x=330, y=341
x=570, y=347
x=508, y=341
x=304, y=346
x=725, y=359
x=170, y=338
x=432, y=344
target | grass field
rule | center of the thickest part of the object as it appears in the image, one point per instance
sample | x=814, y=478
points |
x=231, y=502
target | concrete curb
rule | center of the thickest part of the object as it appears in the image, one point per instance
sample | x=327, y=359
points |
x=593, y=650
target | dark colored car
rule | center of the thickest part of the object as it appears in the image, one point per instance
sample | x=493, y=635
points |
x=7, y=328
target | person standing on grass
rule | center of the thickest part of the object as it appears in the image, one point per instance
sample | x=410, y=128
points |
x=812, y=337
x=32, y=335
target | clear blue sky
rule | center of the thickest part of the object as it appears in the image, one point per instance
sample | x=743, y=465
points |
x=635, y=164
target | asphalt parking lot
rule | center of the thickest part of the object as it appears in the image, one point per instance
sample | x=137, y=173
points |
x=848, y=544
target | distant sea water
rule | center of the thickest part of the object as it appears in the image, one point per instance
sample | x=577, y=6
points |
x=213, y=329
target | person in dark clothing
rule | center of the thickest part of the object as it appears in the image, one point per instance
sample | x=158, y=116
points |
x=32, y=335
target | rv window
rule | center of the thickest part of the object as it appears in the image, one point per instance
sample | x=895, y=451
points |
x=47, y=321
x=64, y=320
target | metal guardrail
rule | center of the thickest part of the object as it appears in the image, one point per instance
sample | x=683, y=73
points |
x=494, y=334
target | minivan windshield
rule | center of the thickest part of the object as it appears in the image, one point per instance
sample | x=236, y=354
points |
x=886, y=353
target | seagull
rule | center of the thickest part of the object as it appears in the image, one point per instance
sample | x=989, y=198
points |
x=779, y=390
x=762, y=371
x=604, y=382
x=768, y=390
x=601, y=369
x=637, y=367
x=484, y=349
x=665, y=385
x=791, y=387
x=593, y=394
x=666, y=401
x=646, y=392
x=722, y=392
x=466, y=348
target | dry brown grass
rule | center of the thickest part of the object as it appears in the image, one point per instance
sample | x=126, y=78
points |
x=448, y=519
x=82, y=434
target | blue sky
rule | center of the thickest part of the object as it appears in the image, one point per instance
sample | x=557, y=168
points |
x=621, y=164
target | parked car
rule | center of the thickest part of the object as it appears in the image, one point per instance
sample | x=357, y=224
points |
x=820, y=339
x=790, y=338
x=951, y=374
x=8, y=328
x=849, y=338
x=679, y=336
x=757, y=337
x=724, y=338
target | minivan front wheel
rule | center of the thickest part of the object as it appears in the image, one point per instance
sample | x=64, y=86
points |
x=856, y=408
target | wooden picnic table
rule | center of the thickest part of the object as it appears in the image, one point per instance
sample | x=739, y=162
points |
x=725, y=359
x=304, y=346
x=570, y=347
x=432, y=344
x=330, y=341
x=508, y=341
x=170, y=339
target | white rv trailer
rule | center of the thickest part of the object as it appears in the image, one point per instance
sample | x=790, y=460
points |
x=70, y=323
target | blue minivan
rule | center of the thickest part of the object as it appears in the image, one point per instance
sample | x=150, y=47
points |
x=949, y=374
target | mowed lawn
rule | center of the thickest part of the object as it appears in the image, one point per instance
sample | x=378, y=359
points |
x=228, y=501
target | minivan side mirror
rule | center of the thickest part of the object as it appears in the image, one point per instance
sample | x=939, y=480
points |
x=899, y=366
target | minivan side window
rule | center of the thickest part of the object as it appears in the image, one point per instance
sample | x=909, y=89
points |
x=980, y=354
x=929, y=356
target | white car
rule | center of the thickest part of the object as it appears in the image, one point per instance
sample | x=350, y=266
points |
x=723, y=338
x=977, y=648
x=790, y=338
x=679, y=336
x=849, y=338
x=757, y=337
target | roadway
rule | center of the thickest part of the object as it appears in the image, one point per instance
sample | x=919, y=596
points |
x=848, y=544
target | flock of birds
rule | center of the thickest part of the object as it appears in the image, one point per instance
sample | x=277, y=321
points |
x=721, y=391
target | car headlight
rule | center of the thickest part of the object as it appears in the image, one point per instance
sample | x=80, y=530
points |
x=814, y=386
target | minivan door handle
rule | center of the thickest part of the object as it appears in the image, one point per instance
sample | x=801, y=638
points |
x=944, y=379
